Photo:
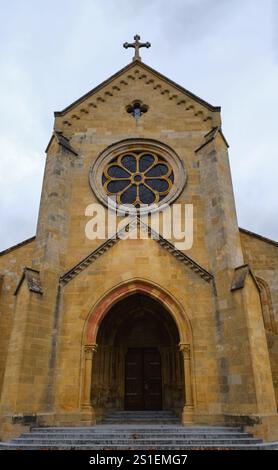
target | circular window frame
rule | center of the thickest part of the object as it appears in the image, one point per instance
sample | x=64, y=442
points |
x=137, y=145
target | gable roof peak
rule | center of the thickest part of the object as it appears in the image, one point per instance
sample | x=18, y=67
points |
x=137, y=66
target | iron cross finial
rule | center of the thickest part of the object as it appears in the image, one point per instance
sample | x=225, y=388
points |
x=136, y=45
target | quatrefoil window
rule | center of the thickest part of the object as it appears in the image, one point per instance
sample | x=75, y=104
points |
x=137, y=108
x=138, y=178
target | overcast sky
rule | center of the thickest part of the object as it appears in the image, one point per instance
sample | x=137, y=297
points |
x=54, y=51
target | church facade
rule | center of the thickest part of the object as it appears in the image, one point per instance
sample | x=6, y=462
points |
x=92, y=324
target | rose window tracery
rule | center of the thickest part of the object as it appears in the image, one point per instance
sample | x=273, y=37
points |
x=143, y=173
x=138, y=178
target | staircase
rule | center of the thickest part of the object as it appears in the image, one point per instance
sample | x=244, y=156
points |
x=141, y=417
x=138, y=431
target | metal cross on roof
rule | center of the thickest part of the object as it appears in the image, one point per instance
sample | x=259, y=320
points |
x=136, y=45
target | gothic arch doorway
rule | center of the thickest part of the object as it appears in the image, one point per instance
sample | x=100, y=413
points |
x=138, y=365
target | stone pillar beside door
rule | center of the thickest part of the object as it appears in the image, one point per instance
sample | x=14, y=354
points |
x=188, y=409
x=88, y=412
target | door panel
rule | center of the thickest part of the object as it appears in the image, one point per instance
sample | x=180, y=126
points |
x=143, y=379
x=134, y=398
x=152, y=380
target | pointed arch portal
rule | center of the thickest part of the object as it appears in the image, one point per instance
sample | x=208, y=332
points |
x=137, y=353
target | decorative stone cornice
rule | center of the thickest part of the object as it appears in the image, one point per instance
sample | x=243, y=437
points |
x=179, y=255
x=150, y=77
x=84, y=263
x=186, y=260
x=32, y=277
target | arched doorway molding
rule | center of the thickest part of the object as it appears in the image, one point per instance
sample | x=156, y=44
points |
x=124, y=289
x=171, y=305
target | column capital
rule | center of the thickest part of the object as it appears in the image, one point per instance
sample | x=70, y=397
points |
x=90, y=349
x=185, y=349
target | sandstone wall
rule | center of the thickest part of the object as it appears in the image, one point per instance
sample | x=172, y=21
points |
x=12, y=262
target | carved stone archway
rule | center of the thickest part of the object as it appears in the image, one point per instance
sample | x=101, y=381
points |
x=176, y=314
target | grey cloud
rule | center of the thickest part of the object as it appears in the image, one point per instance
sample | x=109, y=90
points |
x=223, y=50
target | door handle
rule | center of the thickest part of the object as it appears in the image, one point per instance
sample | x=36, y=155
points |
x=146, y=387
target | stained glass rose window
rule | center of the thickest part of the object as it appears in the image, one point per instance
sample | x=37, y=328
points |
x=138, y=178
x=144, y=173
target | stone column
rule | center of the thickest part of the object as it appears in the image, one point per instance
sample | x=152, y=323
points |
x=188, y=409
x=87, y=407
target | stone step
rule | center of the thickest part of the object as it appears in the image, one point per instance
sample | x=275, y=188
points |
x=136, y=435
x=139, y=421
x=269, y=446
x=130, y=417
x=143, y=437
x=144, y=419
x=142, y=412
x=160, y=428
x=132, y=414
x=141, y=417
x=142, y=442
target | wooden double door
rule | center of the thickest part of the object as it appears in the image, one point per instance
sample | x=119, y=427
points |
x=143, y=390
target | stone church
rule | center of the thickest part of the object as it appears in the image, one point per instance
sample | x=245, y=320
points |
x=89, y=324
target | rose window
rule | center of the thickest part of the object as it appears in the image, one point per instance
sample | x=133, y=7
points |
x=138, y=178
x=142, y=173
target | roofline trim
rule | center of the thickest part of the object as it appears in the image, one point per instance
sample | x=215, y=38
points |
x=125, y=69
x=260, y=237
x=18, y=245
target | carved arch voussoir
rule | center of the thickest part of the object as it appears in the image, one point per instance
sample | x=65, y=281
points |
x=125, y=289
